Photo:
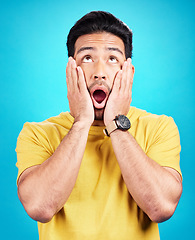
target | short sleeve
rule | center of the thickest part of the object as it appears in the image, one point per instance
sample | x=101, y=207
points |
x=33, y=147
x=164, y=147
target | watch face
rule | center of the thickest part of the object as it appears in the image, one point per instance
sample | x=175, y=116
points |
x=123, y=122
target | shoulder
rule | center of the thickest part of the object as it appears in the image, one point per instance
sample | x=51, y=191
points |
x=152, y=126
x=139, y=116
x=54, y=125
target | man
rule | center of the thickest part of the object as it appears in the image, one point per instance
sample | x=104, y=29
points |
x=92, y=173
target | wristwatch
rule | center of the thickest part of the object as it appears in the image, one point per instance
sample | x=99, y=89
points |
x=120, y=122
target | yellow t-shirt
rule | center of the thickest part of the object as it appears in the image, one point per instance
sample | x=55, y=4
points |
x=100, y=206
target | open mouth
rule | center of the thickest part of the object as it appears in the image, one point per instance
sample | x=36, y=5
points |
x=99, y=92
x=99, y=95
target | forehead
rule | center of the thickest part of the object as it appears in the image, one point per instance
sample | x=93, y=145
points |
x=99, y=40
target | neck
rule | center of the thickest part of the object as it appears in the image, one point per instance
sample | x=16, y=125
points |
x=98, y=123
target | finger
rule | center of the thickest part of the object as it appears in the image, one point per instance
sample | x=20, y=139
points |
x=74, y=77
x=117, y=81
x=129, y=75
x=128, y=78
x=124, y=77
x=68, y=73
x=132, y=70
x=81, y=79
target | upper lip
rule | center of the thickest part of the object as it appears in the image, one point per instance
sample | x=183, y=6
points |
x=99, y=87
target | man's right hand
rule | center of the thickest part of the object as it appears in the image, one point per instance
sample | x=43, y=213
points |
x=80, y=103
x=44, y=189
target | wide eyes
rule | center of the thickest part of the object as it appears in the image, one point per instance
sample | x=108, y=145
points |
x=113, y=59
x=88, y=59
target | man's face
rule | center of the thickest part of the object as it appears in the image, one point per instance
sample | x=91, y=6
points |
x=101, y=56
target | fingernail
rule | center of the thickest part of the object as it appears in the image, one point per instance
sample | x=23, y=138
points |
x=74, y=63
x=78, y=68
x=125, y=63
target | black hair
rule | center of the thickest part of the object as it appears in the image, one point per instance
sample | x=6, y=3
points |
x=100, y=21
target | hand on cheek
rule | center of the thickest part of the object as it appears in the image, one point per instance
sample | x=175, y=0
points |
x=120, y=98
x=80, y=103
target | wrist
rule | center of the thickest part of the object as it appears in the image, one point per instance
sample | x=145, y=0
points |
x=120, y=122
x=108, y=121
x=82, y=124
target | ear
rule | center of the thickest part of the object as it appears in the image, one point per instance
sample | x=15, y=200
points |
x=132, y=67
x=132, y=71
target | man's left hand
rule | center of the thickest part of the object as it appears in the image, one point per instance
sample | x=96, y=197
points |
x=120, y=98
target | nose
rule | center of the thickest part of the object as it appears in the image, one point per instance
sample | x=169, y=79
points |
x=99, y=71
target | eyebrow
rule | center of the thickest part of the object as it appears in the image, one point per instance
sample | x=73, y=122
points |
x=92, y=48
x=115, y=49
x=84, y=49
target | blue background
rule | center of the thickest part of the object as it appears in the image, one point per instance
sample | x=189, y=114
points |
x=33, y=58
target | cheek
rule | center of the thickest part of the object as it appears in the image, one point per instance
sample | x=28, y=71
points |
x=112, y=73
x=87, y=73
